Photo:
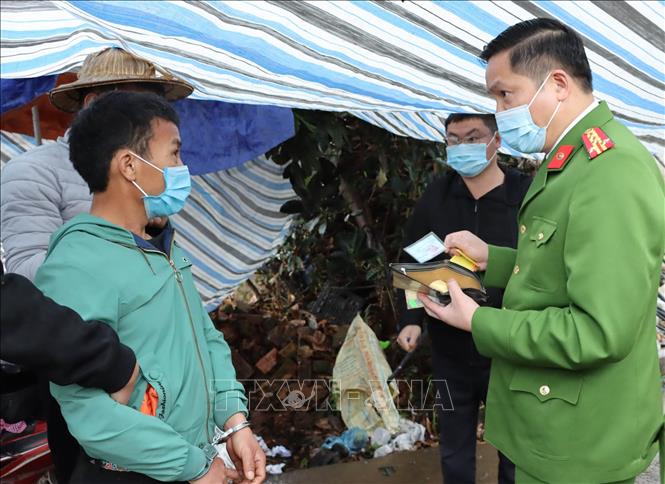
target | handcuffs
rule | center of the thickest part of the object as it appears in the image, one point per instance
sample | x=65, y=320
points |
x=210, y=450
x=226, y=435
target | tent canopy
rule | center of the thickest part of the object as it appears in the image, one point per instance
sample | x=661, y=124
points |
x=216, y=135
x=401, y=65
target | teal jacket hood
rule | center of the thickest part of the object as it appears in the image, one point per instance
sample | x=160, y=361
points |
x=93, y=226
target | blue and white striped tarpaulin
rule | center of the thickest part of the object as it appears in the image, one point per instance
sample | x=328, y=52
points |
x=216, y=135
x=231, y=223
x=401, y=65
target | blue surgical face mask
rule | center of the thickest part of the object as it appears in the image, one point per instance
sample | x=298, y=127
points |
x=177, y=185
x=469, y=159
x=519, y=131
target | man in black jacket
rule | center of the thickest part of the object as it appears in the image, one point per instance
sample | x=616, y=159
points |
x=480, y=197
x=56, y=344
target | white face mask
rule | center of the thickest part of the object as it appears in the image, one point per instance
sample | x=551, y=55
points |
x=518, y=129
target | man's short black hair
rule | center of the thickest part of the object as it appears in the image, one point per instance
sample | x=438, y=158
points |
x=114, y=120
x=488, y=119
x=538, y=46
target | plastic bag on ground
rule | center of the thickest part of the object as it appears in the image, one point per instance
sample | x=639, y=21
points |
x=380, y=437
x=409, y=433
x=353, y=440
x=359, y=377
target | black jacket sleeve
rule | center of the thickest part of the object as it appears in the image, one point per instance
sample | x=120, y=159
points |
x=56, y=343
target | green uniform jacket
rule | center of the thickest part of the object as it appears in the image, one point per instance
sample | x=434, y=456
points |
x=574, y=393
x=149, y=298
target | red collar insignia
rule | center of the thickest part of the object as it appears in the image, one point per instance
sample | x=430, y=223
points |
x=560, y=157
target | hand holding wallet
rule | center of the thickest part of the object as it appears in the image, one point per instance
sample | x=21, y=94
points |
x=431, y=278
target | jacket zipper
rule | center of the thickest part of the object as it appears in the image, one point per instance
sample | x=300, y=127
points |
x=475, y=215
x=178, y=278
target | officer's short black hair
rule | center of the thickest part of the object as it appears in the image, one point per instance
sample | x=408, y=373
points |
x=539, y=45
x=488, y=119
x=114, y=120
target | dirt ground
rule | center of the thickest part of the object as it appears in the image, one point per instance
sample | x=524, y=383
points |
x=420, y=466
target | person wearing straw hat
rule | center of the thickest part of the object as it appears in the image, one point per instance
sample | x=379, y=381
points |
x=40, y=190
x=112, y=69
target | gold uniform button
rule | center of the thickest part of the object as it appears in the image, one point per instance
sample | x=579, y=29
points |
x=541, y=236
x=516, y=270
x=544, y=390
x=522, y=229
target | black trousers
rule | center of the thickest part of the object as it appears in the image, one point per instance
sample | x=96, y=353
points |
x=64, y=448
x=87, y=473
x=462, y=387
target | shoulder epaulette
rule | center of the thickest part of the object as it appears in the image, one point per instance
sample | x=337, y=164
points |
x=596, y=142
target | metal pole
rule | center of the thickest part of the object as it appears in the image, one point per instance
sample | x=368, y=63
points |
x=36, y=127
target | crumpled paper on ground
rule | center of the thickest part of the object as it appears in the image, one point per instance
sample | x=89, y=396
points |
x=274, y=468
x=409, y=433
x=276, y=451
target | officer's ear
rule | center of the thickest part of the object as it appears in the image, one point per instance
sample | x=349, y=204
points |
x=563, y=84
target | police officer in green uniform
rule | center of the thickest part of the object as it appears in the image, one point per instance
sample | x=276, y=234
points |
x=574, y=393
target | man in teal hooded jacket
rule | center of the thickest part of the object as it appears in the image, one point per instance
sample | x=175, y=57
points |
x=105, y=266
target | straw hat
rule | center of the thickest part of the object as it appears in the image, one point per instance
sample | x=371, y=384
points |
x=116, y=66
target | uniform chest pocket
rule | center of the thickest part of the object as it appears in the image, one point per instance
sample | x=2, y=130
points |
x=539, y=257
x=542, y=230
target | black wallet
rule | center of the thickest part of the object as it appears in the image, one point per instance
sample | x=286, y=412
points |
x=431, y=277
